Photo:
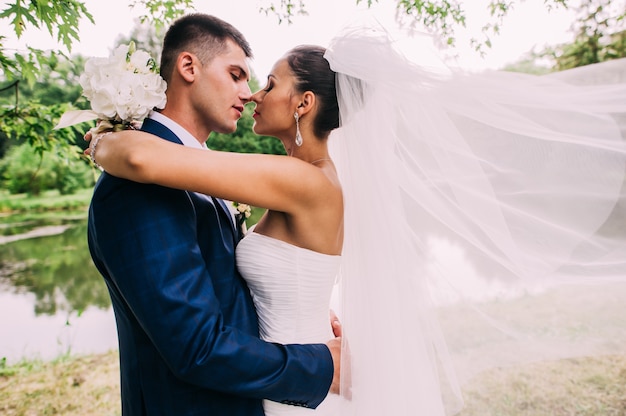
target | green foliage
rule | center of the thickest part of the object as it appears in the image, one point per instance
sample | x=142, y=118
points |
x=616, y=48
x=23, y=367
x=59, y=85
x=161, y=12
x=440, y=16
x=255, y=216
x=528, y=66
x=34, y=123
x=27, y=66
x=30, y=114
x=24, y=170
x=244, y=140
x=30, y=110
x=600, y=35
x=62, y=16
x=5, y=370
x=59, y=18
x=45, y=202
x=286, y=9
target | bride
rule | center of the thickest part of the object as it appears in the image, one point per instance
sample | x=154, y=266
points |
x=523, y=175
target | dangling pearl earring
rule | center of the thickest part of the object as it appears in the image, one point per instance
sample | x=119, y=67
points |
x=298, y=135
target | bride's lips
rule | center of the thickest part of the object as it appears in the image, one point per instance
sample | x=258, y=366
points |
x=255, y=114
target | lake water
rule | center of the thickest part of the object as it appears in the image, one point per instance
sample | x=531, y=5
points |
x=53, y=302
x=52, y=299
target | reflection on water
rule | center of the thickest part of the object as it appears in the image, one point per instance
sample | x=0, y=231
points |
x=52, y=299
x=26, y=335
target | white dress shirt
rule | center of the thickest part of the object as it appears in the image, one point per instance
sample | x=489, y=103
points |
x=184, y=136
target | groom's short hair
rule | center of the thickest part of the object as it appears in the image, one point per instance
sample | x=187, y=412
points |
x=201, y=34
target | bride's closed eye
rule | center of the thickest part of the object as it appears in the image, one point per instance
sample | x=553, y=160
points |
x=269, y=87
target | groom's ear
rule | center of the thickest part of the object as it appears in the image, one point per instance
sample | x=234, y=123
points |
x=186, y=66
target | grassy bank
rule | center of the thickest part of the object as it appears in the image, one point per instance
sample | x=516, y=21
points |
x=88, y=386
x=46, y=201
x=574, y=387
x=68, y=386
x=52, y=201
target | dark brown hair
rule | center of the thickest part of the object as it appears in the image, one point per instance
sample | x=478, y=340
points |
x=201, y=34
x=312, y=72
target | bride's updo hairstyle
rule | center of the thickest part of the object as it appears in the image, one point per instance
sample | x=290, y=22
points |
x=313, y=73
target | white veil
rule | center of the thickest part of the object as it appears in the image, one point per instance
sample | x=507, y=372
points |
x=484, y=221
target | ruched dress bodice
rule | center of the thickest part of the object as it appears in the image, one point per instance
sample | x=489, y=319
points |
x=291, y=287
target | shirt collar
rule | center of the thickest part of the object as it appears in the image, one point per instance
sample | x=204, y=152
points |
x=184, y=136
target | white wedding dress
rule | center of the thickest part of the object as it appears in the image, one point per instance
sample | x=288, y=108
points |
x=291, y=287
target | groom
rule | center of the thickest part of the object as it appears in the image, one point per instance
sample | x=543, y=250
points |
x=188, y=333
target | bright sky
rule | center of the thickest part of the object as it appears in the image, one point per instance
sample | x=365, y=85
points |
x=528, y=26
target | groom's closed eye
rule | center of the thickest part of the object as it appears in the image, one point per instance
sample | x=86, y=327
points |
x=238, y=73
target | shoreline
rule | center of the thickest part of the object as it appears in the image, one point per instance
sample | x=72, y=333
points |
x=45, y=231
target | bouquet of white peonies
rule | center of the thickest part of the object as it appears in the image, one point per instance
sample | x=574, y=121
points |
x=122, y=90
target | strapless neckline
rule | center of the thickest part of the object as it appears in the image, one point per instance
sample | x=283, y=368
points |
x=273, y=240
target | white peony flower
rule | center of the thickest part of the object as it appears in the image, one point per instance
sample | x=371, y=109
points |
x=141, y=62
x=122, y=88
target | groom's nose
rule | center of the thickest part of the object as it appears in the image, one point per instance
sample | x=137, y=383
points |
x=245, y=95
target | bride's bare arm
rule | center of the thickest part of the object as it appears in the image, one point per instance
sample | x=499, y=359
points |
x=276, y=182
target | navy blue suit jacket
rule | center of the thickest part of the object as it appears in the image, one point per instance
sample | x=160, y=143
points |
x=187, y=327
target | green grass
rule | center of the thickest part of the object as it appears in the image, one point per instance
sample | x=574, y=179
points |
x=590, y=386
x=21, y=368
x=69, y=386
x=89, y=385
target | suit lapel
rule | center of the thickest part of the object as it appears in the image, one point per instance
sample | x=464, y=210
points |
x=151, y=126
x=225, y=212
x=156, y=128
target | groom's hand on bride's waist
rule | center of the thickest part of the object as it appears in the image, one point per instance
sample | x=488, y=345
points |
x=334, y=345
